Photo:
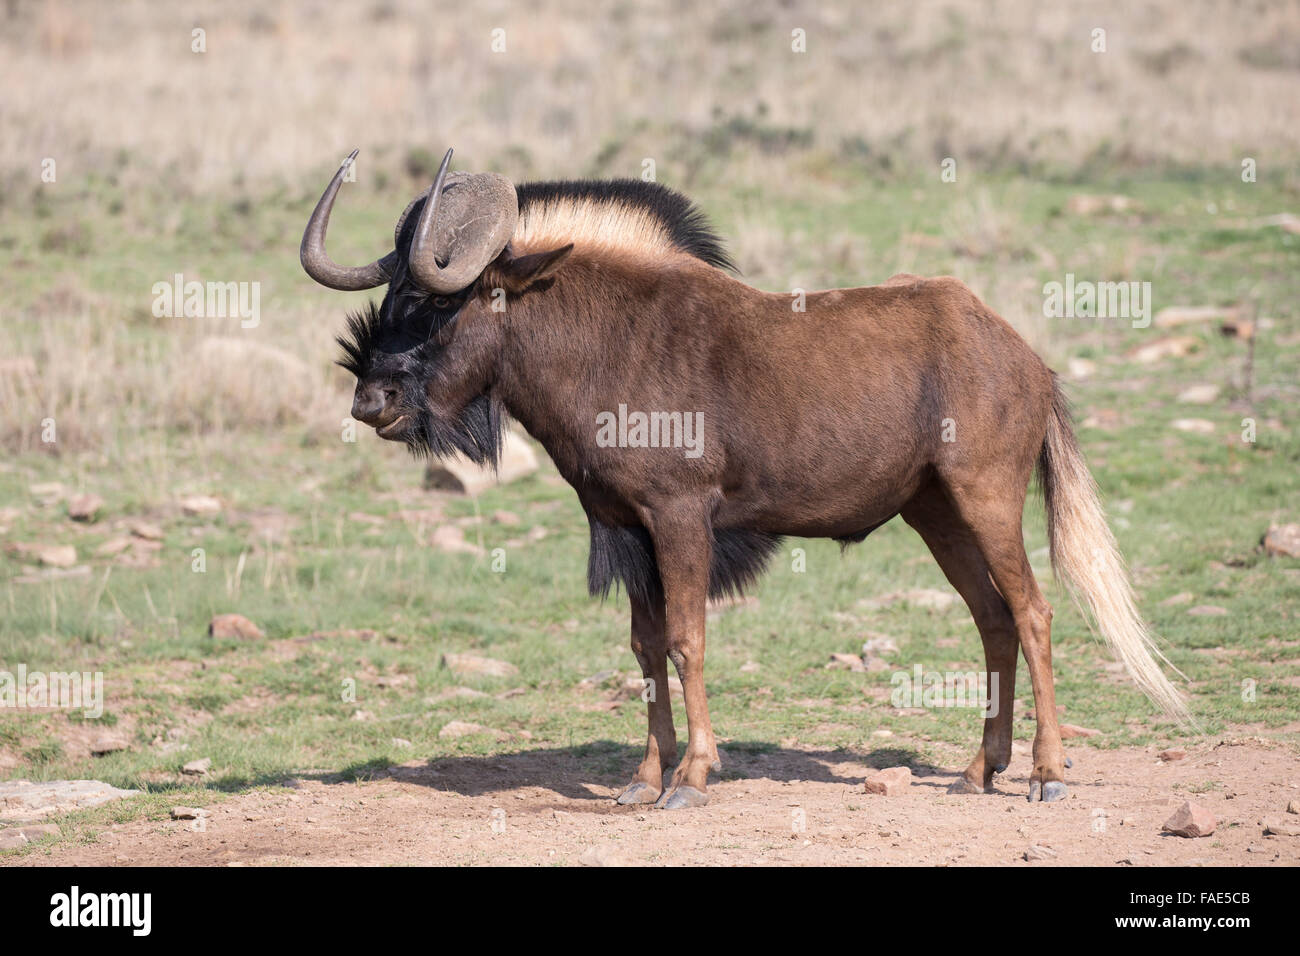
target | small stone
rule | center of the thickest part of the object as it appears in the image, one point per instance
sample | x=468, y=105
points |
x=1172, y=755
x=750, y=667
x=1276, y=826
x=1293, y=806
x=107, y=742
x=460, y=728
x=1199, y=394
x=146, y=530
x=225, y=626
x=601, y=856
x=401, y=742
x=846, y=662
x=475, y=664
x=1069, y=731
x=188, y=813
x=200, y=505
x=1191, y=820
x=1174, y=347
x=84, y=507
x=1183, y=597
x=1198, y=426
x=890, y=782
x=1039, y=852
x=197, y=768
x=1080, y=368
x=507, y=518
x=1283, y=541
x=1207, y=610
x=451, y=539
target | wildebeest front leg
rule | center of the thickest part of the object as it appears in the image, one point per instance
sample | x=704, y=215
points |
x=650, y=645
x=683, y=550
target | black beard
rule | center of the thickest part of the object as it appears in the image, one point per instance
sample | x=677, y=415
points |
x=477, y=433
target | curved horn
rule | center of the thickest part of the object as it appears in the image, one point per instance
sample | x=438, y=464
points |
x=316, y=261
x=485, y=214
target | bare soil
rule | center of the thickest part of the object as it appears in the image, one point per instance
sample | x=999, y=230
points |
x=539, y=808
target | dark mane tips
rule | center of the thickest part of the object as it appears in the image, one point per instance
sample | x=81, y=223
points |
x=686, y=223
x=359, y=342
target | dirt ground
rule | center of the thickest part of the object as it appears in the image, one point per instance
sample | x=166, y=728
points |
x=538, y=809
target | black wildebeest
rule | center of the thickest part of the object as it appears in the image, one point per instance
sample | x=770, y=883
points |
x=559, y=303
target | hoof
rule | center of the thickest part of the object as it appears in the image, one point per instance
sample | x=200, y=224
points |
x=962, y=785
x=638, y=793
x=682, y=798
x=1048, y=792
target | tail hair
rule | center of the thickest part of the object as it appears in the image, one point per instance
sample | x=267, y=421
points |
x=1086, y=557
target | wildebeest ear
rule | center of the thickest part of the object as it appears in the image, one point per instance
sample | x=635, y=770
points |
x=519, y=273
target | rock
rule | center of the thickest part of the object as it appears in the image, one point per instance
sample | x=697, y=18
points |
x=84, y=507
x=1191, y=820
x=198, y=768
x=1293, y=806
x=750, y=667
x=1079, y=368
x=1171, y=756
x=14, y=837
x=1039, y=852
x=890, y=782
x=114, y=546
x=595, y=680
x=1283, y=541
x=401, y=742
x=460, y=475
x=460, y=728
x=51, y=555
x=1198, y=426
x=879, y=644
x=1173, y=347
x=225, y=626
x=1182, y=597
x=188, y=813
x=1276, y=826
x=1184, y=315
x=25, y=800
x=846, y=662
x=474, y=664
x=1199, y=394
x=1207, y=610
x=198, y=506
x=1069, y=731
x=451, y=539
x=1237, y=329
x=1085, y=204
x=507, y=518
x=145, y=530
x=453, y=693
x=107, y=742
x=601, y=856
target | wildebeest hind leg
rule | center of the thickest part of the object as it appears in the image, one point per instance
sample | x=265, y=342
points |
x=959, y=557
x=650, y=645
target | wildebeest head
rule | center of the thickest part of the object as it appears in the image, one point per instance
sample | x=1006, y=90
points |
x=423, y=357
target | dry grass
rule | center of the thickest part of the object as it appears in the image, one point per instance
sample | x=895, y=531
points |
x=285, y=90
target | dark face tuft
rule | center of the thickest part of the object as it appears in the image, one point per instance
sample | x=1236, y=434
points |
x=392, y=348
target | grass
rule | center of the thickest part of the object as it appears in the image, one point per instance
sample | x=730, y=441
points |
x=325, y=543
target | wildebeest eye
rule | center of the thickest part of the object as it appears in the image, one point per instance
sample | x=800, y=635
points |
x=441, y=302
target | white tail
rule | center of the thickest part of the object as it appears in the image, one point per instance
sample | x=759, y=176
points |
x=1086, y=557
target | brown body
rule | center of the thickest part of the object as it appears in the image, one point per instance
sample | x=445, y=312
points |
x=909, y=398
